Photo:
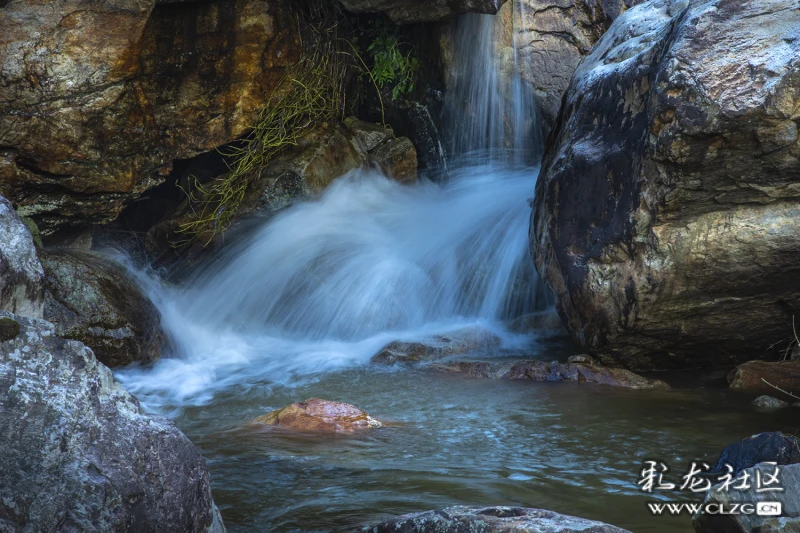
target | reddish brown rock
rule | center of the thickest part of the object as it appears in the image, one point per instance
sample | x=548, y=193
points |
x=316, y=415
x=458, y=342
x=750, y=377
x=583, y=370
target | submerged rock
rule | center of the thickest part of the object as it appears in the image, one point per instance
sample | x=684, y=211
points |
x=665, y=216
x=94, y=300
x=21, y=274
x=464, y=341
x=491, y=520
x=80, y=454
x=316, y=415
x=763, y=447
x=785, y=521
x=581, y=370
x=750, y=377
x=768, y=402
x=411, y=11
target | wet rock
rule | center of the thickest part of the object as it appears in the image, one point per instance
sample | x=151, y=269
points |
x=316, y=415
x=100, y=97
x=750, y=377
x=491, y=520
x=405, y=11
x=579, y=371
x=94, y=300
x=665, y=216
x=368, y=135
x=21, y=274
x=397, y=158
x=544, y=322
x=464, y=341
x=768, y=402
x=79, y=453
x=763, y=447
x=789, y=499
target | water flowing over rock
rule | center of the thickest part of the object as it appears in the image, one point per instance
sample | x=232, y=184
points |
x=438, y=347
x=405, y=11
x=21, y=274
x=491, y=520
x=316, y=415
x=79, y=454
x=95, y=301
x=789, y=499
x=666, y=214
x=577, y=370
x=99, y=97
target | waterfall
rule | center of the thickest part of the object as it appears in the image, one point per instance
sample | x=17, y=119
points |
x=328, y=282
x=491, y=112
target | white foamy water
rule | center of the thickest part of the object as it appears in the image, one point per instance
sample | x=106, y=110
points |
x=326, y=284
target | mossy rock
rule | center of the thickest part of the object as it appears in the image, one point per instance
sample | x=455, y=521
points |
x=9, y=329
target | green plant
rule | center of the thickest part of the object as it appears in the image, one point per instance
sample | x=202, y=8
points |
x=393, y=66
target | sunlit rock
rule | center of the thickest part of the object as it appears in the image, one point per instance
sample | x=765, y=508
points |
x=464, y=341
x=491, y=520
x=666, y=217
x=583, y=370
x=21, y=274
x=316, y=415
x=95, y=300
x=80, y=454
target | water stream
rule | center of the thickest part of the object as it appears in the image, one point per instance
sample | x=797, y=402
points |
x=297, y=309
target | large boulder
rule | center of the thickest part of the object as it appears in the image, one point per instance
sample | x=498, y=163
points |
x=99, y=97
x=760, y=448
x=79, y=453
x=96, y=301
x=491, y=520
x=405, y=11
x=21, y=274
x=666, y=218
x=764, y=520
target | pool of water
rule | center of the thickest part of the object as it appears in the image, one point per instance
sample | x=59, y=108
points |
x=573, y=448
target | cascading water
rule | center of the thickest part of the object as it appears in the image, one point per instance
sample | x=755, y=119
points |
x=327, y=283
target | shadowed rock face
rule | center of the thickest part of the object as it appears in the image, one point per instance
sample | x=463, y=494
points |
x=21, y=274
x=666, y=213
x=94, y=300
x=99, y=97
x=491, y=520
x=405, y=11
x=315, y=415
x=763, y=447
x=79, y=454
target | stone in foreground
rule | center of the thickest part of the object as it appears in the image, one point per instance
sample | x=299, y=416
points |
x=79, y=454
x=580, y=369
x=762, y=447
x=491, y=520
x=316, y=415
x=788, y=499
